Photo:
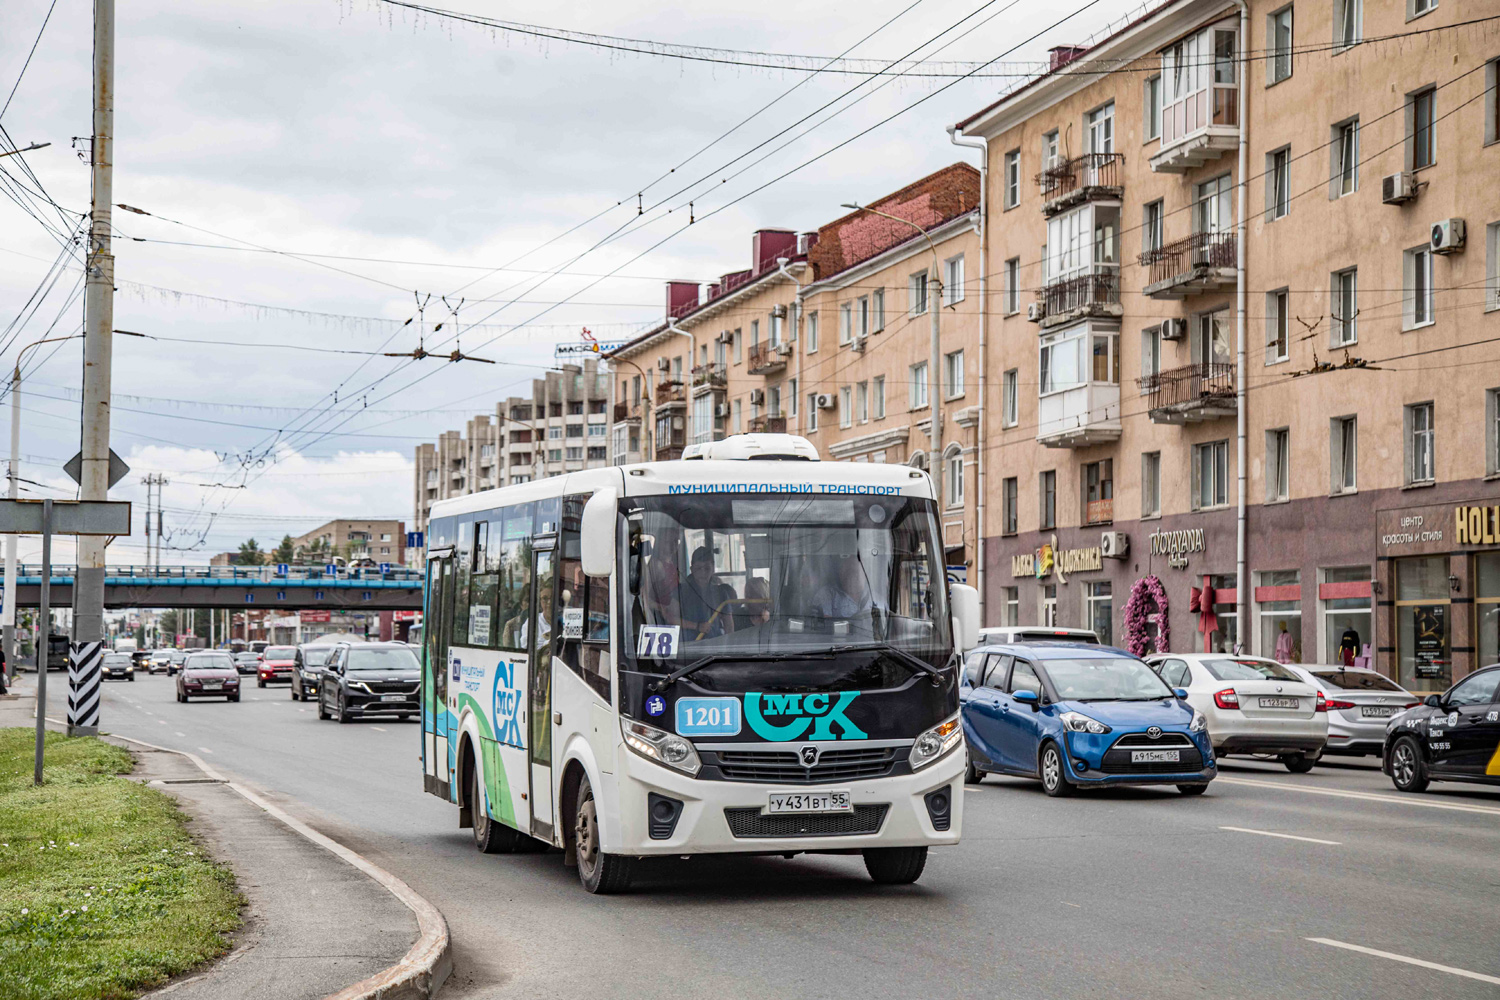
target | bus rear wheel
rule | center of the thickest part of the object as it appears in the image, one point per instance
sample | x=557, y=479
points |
x=599, y=872
x=895, y=865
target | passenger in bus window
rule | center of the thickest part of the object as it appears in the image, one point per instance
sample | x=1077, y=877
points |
x=755, y=609
x=705, y=599
x=663, y=577
x=847, y=594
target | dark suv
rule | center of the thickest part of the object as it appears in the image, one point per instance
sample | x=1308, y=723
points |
x=307, y=669
x=370, y=678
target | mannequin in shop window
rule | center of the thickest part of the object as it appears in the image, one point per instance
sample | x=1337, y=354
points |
x=1348, y=647
x=1283, y=645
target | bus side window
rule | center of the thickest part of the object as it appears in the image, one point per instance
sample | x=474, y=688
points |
x=583, y=607
x=484, y=585
x=515, y=576
x=462, y=563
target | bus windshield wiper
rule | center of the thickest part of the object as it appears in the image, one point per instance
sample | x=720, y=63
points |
x=909, y=659
x=713, y=658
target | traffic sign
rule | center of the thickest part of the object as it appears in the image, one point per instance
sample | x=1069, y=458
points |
x=282, y=569
x=384, y=568
x=332, y=569
x=415, y=540
x=118, y=470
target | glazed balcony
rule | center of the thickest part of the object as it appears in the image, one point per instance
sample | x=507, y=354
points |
x=1191, y=394
x=1203, y=262
x=766, y=358
x=1080, y=416
x=768, y=425
x=1093, y=293
x=1090, y=177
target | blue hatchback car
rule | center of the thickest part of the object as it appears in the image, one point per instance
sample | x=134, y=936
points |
x=1080, y=716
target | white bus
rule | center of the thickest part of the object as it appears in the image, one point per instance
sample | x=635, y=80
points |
x=721, y=655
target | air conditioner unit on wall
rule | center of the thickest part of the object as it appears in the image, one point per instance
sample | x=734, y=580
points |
x=664, y=364
x=1448, y=236
x=1173, y=329
x=784, y=350
x=721, y=409
x=1397, y=189
x=779, y=312
x=858, y=343
x=757, y=397
x=1114, y=545
x=1036, y=311
x=826, y=401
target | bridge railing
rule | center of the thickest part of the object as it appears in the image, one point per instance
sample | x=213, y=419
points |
x=230, y=574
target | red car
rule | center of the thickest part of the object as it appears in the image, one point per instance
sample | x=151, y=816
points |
x=210, y=674
x=276, y=663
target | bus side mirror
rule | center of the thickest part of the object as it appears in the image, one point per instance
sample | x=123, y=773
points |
x=597, y=533
x=965, y=616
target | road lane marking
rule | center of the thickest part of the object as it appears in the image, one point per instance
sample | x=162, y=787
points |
x=377, y=729
x=1404, y=800
x=1408, y=960
x=205, y=749
x=178, y=734
x=1283, y=836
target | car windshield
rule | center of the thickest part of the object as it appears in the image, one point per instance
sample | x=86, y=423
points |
x=1248, y=670
x=1356, y=680
x=247, y=657
x=177, y=656
x=210, y=661
x=116, y=659
x=1105, y=679
x=389, y=658
x=316, y=656
x=755, y=575
x=281, y=652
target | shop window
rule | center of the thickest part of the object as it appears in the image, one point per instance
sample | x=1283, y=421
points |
x=1423, y=623
x=1099, y=611
x=1225, y=638
x=1347, y=626
x=1280, y=615
x=1487, y=606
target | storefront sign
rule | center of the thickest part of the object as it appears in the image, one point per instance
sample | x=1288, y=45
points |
x=1476, y=525
x=1436, y=529
x=1049, y=559
x=1411, y=530
x=1176, y=545
x=1430, y=635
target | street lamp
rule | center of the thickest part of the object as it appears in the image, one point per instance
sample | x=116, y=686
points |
x=934, y=372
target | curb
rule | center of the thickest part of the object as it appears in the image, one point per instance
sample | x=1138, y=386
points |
x=424, y=967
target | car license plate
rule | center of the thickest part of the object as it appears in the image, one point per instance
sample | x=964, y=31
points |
x=1155, y=756
x=393, y=697
x=212, y=685
x=1278, y=703
x=1378, y=711
x=809, y=802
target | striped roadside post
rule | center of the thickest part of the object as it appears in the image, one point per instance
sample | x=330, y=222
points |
x=84, y=662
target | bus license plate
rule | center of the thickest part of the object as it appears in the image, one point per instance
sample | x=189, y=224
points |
x=1278, y=703
x=809, y=802
x=1154, y=756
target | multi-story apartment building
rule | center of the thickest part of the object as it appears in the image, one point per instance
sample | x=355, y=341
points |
x=359, y=541
x=1243, y=323
x=563, y=426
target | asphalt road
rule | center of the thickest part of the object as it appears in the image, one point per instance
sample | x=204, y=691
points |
x=1122, y=893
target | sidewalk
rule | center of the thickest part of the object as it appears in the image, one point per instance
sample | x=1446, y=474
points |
x=314, y=924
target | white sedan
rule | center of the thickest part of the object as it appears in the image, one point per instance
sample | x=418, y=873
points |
x=1254, y=706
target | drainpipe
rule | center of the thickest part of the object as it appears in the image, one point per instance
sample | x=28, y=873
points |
x=1241, y=580
x=781, y=263
x=982, y=144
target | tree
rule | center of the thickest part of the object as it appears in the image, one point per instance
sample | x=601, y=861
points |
x=286, y=552
x=250, y=554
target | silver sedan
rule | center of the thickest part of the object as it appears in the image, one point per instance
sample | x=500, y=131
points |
x=1360, y=703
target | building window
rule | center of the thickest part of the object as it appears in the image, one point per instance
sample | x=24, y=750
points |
x=1423, y=624
x=1012, y=608
x=1487, y=605
x=1416, y=8
x=955, y=473
x=1151, y=484
x=1151, y=227
x=1049, y=501
x=1009, y=497
x=1151, y=106
x=575, y=454
x=953, y=280
x=1417, y=282
x=739, y=416
x=1421, y=449
x=918, y=394
x=1013, y=178
x=1100, y=126
x=1099, y=492
x=1106, y=358
x=879, y=396
x=1150, y=357
x=1343, y=449
x=916, y=290
x=1210, y=475
x=1049, y=605
x=812, y=411
x=846, y=322
x=1492, y=432
x=1346, y=619
x=575, y=430
x=1010, y=388
x=739, y=347
x=1345, y=330
x=1279, y=35
x=1421, y=129
x=554, y=433
x=877, y=310
x=846, y=409
x=597, y=454
x=1344, y=152
x=862, y=402
x=1280, y=614
x=1348, y=22
x=773, y=395
x=812, y=332
x=1060, y=361
x=1492, y=103
x=1278, y=184
x=1277, y=318
x=1098, y=612
x=1049, y=150
x=1278, y=464
x=953, y=374
x=1013, y=286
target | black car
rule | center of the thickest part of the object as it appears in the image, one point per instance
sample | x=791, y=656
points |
x=1453, y=736
x=307, y=668
x=117, y=666
x=370, y=678
x=247, y=663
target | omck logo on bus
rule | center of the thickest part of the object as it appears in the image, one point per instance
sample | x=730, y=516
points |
x=782, y=717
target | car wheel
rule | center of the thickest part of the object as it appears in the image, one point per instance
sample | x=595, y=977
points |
x=972, y=774
x=1054, y=781
x=599, y=872
x=233, y=697
x=131, y=678
x=260, y=683
x=180, y=697
x=1298, y=763
x=1192, y=789
x=293, y=692
x=323, y=710
x=343, y=715
x=1408, y=770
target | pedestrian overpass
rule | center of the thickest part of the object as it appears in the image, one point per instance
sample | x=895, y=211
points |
x=277, y=588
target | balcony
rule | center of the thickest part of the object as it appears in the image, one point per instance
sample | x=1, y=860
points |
x=768, y=425
x=669, y=454
x=1191, y=394
x=1084, y=415
x=708, y=377
x=1080, y=296
x=1197, y=128
x=1099, y=512
x=767, y=358
x=1203, y=262
x=670, y=394
x=1083, y=178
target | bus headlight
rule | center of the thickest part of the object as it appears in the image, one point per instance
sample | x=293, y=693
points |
x=662, y=747
x=934, y=743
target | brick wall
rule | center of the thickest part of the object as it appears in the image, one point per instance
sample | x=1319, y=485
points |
x=861, y=235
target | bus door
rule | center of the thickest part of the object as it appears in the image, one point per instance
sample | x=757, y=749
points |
x=539, y=708
x=437, y=626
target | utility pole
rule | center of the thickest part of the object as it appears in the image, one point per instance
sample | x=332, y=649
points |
x=98, y=330
x=156, y=480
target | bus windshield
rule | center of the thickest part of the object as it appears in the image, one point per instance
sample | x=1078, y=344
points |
x=752, y=576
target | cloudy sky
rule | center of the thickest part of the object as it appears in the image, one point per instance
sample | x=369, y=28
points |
x=314, y=167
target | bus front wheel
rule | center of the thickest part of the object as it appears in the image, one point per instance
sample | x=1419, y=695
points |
x=599, y=872
x=489, y=837
x=895, y=865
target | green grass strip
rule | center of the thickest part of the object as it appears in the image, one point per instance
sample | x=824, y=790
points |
x=102, y=892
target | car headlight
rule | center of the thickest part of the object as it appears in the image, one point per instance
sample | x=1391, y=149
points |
x=1077, y=722
x=1199, y=723
x=662, y=747
x=934, y=743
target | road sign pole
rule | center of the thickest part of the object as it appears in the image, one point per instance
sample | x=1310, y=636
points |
x=8, y=614
x=44, y=639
